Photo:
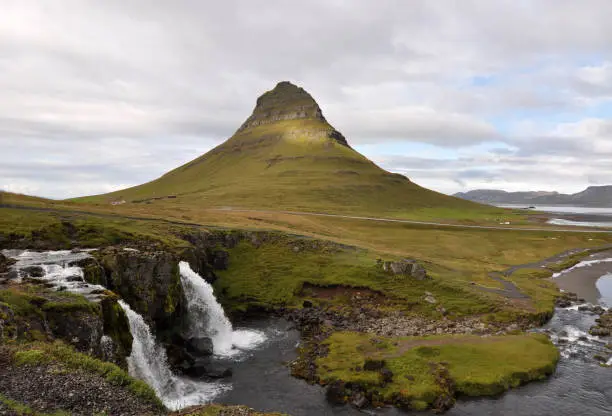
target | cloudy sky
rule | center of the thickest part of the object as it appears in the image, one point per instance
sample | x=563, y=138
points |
x=99, y=95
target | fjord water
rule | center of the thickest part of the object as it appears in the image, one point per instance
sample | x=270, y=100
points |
x=573, y=215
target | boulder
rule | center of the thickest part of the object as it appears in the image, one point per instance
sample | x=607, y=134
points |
x=600, y=331
x=373, y=365
x=386, y=375
x=405, y=267
x=336, y=392
x=359, y=400
x=81, y=328
x=200, y=346
x=5, y=263
x=33, y=271
x=206, y=368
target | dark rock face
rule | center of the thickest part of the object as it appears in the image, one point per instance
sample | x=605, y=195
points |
x=83, y=329
x=386, y=375
x=604, y=325
x=5, y=263
x=7, y=321
x=33, y=271
x=200, y=346
x=406, y=267
x=148, y=281
x=204, y=367
x=336, y=392
x=374, y=365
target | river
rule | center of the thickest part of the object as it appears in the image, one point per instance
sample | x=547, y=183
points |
x=261, y=378
x=580, y=386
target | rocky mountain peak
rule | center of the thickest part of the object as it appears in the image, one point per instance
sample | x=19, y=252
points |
x=289, y=102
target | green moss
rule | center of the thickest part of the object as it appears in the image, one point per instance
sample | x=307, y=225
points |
x=21, y=409
x=116, y=325
x=532, y=273
x=23, y=300
x=568, y=262
x=30, y=357
x=70, y=302
x=174, y=291
x=424, y=368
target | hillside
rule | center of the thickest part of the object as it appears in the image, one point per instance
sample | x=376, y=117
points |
x=593, y=196
x=287, y=156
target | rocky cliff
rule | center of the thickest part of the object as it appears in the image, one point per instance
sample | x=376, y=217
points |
x=290, y=102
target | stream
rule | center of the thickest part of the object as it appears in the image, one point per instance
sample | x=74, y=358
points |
x=258, y=352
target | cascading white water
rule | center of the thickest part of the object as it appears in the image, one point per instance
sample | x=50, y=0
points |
x=207, y=317
x=148, y=359
x=148, y=362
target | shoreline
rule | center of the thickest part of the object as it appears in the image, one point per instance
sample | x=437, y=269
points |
x=582, y=280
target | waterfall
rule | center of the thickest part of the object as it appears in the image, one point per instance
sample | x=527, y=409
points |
x=207, y=317
x=148, y=362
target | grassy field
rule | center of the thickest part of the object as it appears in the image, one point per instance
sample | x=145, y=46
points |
x=458, y=259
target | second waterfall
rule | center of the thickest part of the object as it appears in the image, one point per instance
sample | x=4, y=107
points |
x=207, y=318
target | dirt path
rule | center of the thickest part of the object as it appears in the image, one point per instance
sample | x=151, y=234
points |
x=434, y=224
x=511, y=291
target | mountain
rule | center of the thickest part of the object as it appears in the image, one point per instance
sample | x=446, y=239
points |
x=287, y=156
x=593, y=196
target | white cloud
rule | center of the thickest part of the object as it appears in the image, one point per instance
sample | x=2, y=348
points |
x=131, y=89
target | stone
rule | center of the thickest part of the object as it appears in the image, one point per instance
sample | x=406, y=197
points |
x=373, y=365
x=430, y=299
x=200, y=345
x=205, y=368
x=336, y=392
x=406, y=267
x=33, y=271
x=386, y=375
x=5, y=263
x=599, y=331
x=359, y=400
x=600, y=358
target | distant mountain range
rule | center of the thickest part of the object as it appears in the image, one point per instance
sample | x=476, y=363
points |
x=593, y=196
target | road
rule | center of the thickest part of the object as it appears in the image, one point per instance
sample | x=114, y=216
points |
x=415, y=222
x=314, y=214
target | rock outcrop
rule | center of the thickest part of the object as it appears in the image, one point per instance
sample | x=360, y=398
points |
x=405, y=267
x=148, y=281
x=290, y=102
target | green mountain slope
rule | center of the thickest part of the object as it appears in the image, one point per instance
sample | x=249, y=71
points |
x=287, y=156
